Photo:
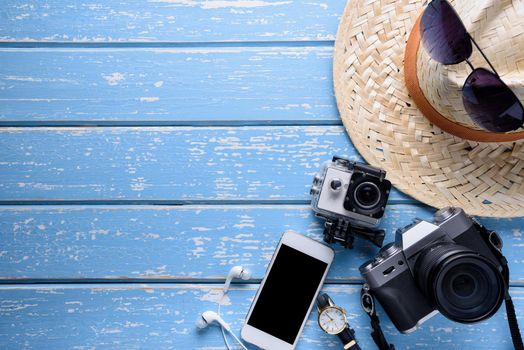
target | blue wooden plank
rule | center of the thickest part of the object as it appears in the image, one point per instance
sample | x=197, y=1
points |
x=167, y=20
x=187, y=243
x=163, y=316
x=166, y=164
x=174, y=86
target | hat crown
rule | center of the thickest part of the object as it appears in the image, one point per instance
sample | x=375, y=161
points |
x=496, y=26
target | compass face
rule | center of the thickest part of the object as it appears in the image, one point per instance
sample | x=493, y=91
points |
x=332, y=320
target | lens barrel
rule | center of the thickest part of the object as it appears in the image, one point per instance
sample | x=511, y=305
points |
x=463, y=285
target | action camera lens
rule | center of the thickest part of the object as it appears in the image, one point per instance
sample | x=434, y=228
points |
x=464, y=286
x=367, y=195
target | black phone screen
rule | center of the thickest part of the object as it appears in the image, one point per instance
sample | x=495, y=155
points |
x=289, y=289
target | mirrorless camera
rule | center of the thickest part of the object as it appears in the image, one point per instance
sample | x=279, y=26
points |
x=351, y=197
x=452, y=265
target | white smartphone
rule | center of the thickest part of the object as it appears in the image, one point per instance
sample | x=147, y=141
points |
x=288, y=292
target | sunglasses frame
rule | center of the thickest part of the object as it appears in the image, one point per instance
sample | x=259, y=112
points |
x=473, y=68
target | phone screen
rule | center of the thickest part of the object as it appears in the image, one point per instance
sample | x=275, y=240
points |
x=287, y=294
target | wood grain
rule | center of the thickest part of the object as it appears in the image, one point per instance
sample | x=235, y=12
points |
x=169, y=20
x=167, y=164
x=177, y=86
x=163, y=316
x=187, y=243
x=229, y=111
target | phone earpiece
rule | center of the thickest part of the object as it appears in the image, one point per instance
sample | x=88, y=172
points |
x=209, y=317
x=237, y=272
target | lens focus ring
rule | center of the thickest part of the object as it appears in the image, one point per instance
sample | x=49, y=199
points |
x=463, y=285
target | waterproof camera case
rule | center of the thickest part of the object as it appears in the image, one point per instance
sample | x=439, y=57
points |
x=351, y=197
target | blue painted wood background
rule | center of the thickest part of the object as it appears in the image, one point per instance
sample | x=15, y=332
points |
x=148, y=146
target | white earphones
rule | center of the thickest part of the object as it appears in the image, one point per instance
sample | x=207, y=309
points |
x=235, y=273
x=209, y=317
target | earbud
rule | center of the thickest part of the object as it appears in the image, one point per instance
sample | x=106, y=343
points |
x=208, y=317
x=237, y=272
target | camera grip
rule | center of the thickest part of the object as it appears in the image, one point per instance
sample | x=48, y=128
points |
x=403, y=302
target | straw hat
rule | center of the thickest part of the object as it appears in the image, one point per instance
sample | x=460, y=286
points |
x=448, y=160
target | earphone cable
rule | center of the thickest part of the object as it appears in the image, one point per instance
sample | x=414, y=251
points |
x=238, y=340
x=230, y=332
x=222, y=328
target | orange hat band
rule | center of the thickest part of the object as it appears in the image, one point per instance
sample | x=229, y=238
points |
x=416, y=93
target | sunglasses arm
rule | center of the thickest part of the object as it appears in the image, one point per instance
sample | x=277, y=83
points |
x=482, y=53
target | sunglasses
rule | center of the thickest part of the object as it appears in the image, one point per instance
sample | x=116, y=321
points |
x=489, y=102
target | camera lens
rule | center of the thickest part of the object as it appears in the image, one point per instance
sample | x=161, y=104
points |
x=367, y=195
x=469, y=289
x=464, y=286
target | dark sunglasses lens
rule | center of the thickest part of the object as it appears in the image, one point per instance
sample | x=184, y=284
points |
x=491, y=103
x=443, y=34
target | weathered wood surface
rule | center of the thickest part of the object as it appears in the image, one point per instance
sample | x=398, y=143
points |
x=183, y=243
x=163, y=316
x=170, y=164
x=160, y=65
x=177, y=86
x=169, y=20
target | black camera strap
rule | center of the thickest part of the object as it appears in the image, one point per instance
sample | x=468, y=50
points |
x=516, y=337
x=513, y=324
x=496, y=243
x=368, y=304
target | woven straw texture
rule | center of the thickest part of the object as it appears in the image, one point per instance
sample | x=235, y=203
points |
x=488, y=22
x=434, y=167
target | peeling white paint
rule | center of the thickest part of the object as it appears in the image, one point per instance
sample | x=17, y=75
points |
x=217, y=4
x=114, y=78
x=216, y=296
x=149, y=99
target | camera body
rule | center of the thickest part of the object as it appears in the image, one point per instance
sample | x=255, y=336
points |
x=453, y=266
x=351, y=197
